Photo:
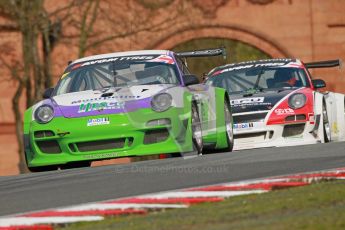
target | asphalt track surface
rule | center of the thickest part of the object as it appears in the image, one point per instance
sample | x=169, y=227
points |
x=36, y=191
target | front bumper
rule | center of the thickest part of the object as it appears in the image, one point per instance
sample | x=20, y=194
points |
x=65, y=140
x=260, y=135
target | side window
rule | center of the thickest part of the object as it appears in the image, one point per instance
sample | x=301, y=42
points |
x=185, y=69
x=308, y=73
x=182, y=66
x=303, y=77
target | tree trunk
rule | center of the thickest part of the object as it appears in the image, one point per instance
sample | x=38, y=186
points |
x=19, y=127
x=47, y=60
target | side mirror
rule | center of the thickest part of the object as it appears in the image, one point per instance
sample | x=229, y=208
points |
x=190, y=79
x=318, y=83
x=48, y=93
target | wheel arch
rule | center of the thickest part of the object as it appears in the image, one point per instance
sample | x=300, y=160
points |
x=221, y=97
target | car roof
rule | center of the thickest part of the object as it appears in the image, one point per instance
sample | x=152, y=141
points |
x=286, y=61
x=120, y=54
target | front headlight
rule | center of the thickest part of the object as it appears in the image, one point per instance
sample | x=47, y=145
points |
x=44, y=114
x=297, y=100
x=161, y=102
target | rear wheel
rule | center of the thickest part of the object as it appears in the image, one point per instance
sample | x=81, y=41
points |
x=326, y=126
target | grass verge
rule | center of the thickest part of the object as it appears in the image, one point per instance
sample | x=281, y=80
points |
x=318, y=206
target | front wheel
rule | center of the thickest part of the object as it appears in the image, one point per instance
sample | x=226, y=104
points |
x=326, y=126
x=228, y=126
x=196, y=130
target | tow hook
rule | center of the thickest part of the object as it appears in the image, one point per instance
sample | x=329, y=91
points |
x=62, y=134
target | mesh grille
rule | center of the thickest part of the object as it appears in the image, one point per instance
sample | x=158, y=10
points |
x=72, y=147
x=44, y=133
x=155, y=136
x=293, y=130
x=249, y=135
x=51, y=146
x=299, y=117
x=290, y=118
x=101, y=145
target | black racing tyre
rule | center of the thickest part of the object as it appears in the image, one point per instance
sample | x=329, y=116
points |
x=326, y=127
x=77, y=164
x=228, y=125
x=196, y=130
x=43, y=168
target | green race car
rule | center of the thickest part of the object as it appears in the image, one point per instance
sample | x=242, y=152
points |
x=126, y=104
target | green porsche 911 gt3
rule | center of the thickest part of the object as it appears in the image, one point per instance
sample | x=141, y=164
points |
x=126, y=104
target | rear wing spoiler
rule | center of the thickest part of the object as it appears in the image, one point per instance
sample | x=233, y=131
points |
x=324, y=64
x=203, y=53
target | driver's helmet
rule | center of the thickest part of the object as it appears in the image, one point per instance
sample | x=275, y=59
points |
x=283, y=75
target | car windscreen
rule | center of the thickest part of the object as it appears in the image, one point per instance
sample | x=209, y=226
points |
x=97, y=75
x=259, y=78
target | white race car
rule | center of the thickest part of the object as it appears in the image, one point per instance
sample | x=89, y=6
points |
x=276, y=102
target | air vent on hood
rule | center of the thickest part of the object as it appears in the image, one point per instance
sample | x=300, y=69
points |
x=249, y=117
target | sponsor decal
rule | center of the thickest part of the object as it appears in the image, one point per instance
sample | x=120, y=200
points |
x=244, y=125
x=118, y=59
x=238, y=68
x=99, y=106
x=151, y=58
x=254, y=65
x=251, y=100
x=98, y=121
x=105, y=98
x=102, y=155
x=284, y=111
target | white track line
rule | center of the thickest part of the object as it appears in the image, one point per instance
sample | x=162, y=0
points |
x=188, y=194
x=16, y=221
x=250, y=182
x=104, y=206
